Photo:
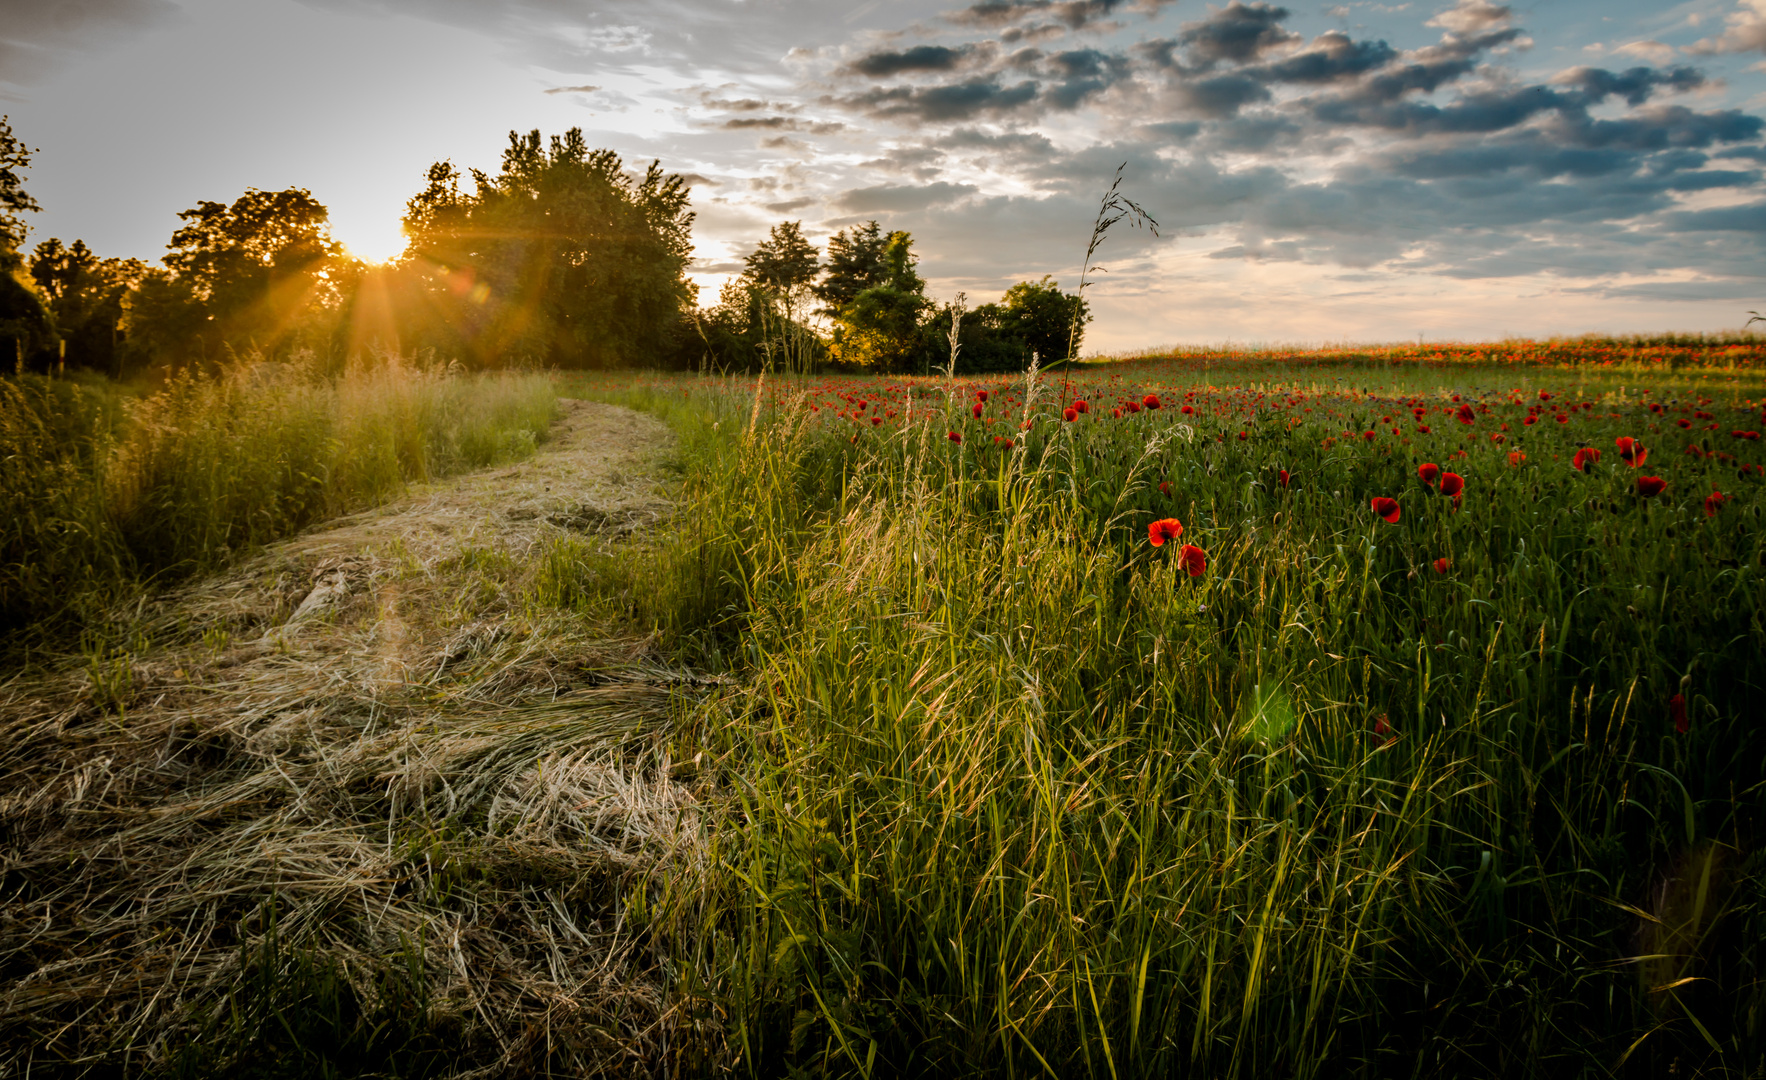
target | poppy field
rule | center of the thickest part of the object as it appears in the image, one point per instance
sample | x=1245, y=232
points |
x=1155, y=718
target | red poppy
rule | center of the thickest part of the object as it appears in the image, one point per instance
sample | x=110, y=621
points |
x=1386, y=508
x=1465, y=414
x=981, y=395
x=1650, y=486
x=1383, y=730
x=1115, y=414
x=1080, y=407
x=1714, y=502
x=1631, y=451
x=1151, y=401
x=1165, y=487
x=875, y=420
x=1068, y=414
x=1515, y=457
x=1441, y=565
x=1677, y=713
x=1428, y=472
x=1187, y=409
x=1193, y=560
x=1164, y=529
x=976, y=409
x=1422, y=429
x=1452, y=484
x=1586, y=459
x=956, y=437
x=1544, y=395
x=1282, y=478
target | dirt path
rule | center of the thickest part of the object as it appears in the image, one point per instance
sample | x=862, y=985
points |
x=376, y=726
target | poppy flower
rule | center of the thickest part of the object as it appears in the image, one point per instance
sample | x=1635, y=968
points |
x=980, y=395
x=1428, y=472
x=1151, y=401
x=1650, y=486
x=1193, y=560
x=956, y=437
x=1631, y=451
x=875, y=420
x=1441, y=565
x=1386, y=508
x=975, y=410
x=1586, y=459
x=1714, y=502
x=1452, y=484
x=1422, y=429
x=1282, y=477
x=1188, y=409
x=1115, y=414
x=1515, y=457
x=1164, y=529
x=1165, y=487
x=1465, y=414
x=1069, y=414
x=1383, y=730
x=1677, y=713
x=1081, y=407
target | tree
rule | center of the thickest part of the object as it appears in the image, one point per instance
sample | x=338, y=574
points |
x=561, y=258
x=261, y=270
x=88, y=297
x=1044, y=319
x=784, y=261
x=880, y=326
x=855, y=263
x=15, y=202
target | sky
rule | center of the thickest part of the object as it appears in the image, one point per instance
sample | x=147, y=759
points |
x=1319, y=172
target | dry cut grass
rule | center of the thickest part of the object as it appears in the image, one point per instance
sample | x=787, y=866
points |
x=390, y=795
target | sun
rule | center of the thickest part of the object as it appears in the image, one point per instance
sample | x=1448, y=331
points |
x=370, y=243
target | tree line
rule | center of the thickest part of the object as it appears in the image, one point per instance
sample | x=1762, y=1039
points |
x=562, y=258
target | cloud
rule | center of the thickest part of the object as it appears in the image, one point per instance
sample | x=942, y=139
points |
x=1744, y=30
x=38, y=37
x=879, y=65
x=1075, y=14
x=1468, y=17
x=1654, y=51
x=954, y=101
x=573, y=89
x=781, y=123
x=893, y=197
x=1237, y=33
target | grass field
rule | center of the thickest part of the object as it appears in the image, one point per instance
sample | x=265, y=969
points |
x=1424, y=741
x=1464, y=783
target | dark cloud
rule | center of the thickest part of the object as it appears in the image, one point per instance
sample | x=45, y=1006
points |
x=1222, y=95
x=1331, y=57
x=585, y=89
x=790, y=204
x=1074, y=14
x=1237, y=33
x=887, y=63
x=956, y=101
x=892, y=197
x=781, y=123
x=37, y=37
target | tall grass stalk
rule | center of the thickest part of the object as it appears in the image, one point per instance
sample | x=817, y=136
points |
x=101, y=493
x=1013, y=794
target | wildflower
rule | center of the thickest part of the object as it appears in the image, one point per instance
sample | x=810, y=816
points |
x=1650, y=486
x=1193, y=559
x=975, y=410
x=1631, y=451
x=981, y=395
x=1677, y=713
x=1069, y=414
x=875, y=420
x=1452, y=484
x=1188, y=409
x=1165, y=487
x=1164, y=529
x=956, y=437
x=1586, y=459
x=1282, y=477
x=1422, y=429
x=1714, y=502
x=1081, y=407
x=1383, y=730
x=1515, y=457
x=1386, y=508
x=1368, y=435
x=1428, y=472
x=1441, y=565
x=1151, y=401
x=1465, y=414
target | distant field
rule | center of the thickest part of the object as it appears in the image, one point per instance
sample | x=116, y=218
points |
x=1425, y=740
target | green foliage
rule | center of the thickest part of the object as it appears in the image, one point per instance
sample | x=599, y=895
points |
x=855, y=263
x=880, y=327
x=1046, y=320
x=87, y=297
x=101, y=494
x=1017, y=794
x=559, y=259
x=784, y=260
x=15, y=201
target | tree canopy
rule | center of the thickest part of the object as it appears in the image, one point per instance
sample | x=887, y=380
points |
x=561, y=258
